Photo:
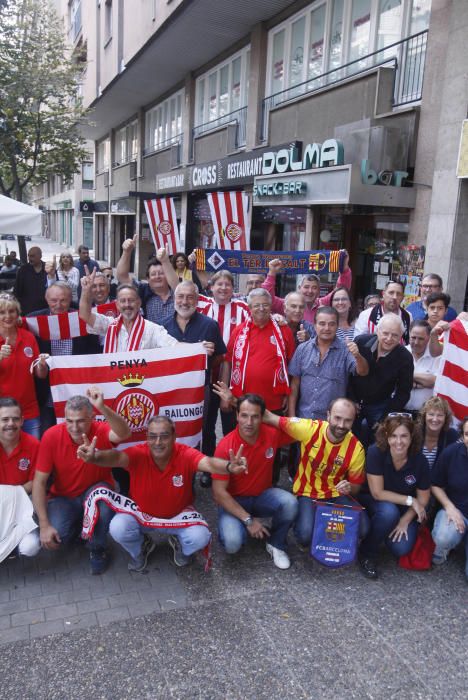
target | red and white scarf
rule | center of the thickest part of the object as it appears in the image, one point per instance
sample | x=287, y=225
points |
x=64, y=326
x=241, y=356
x=121, y=504
x=134, y=338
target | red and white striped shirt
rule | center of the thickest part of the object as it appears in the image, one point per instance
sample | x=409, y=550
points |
x=228, y=316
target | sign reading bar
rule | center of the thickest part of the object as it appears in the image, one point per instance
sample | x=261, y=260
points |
x=276, y=189
x=319, y=262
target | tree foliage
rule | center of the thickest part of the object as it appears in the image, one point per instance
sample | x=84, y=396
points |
x=39, y=109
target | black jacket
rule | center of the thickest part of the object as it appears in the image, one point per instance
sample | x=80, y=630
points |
x=390, y=378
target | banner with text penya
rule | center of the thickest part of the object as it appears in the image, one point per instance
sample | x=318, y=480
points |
x=335, y=537
x=318, y=262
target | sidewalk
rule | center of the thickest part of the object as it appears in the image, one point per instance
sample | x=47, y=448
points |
x=244, y=630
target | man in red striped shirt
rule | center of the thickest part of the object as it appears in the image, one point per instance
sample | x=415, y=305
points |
x=331, y=466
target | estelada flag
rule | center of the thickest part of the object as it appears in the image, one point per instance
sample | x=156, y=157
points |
x=229, y=214
x=138, y=385
x=162, y=221
x=66, y=325
x=452, y=380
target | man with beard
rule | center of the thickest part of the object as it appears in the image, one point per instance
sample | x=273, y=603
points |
x=392, y=296
x=331, y=465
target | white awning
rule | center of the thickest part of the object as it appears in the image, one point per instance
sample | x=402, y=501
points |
x=18, y=218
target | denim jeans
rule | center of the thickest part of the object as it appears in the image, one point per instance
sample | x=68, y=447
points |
x=366, y=419
x=447, y=537
x=384, y=517
x=66, y=515
x=304, y=526
x=274, y=503
x=128, y=532
x=32, y=426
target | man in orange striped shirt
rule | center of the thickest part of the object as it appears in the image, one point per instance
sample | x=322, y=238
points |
x=331, y=466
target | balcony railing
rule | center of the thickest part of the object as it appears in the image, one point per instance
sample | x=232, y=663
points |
x=160, y=145
x=407, y=58
x=238, y=117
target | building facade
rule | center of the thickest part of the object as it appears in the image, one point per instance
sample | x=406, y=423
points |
x=340, y=119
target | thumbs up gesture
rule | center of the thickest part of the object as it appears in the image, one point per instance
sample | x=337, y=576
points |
x=87, y=450
x=302, y=335
x=6, y=349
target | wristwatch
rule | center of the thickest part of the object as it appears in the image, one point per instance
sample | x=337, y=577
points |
x=409, y=501
x=248, y=521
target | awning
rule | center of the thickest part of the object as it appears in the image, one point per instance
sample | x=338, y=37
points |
x=19, y=219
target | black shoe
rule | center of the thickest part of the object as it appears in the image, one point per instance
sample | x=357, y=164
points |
x=98, y=561
x=368, y=567
x=205, y=480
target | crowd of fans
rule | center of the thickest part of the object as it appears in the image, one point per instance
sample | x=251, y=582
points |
x=343, y=399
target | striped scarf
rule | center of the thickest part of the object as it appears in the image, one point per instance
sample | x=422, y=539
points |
x=134, y=337
x=241, y=356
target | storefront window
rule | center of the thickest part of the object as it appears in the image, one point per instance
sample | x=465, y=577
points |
x=317, y=28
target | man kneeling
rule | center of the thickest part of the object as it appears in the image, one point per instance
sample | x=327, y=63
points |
x=242, y=496
x=161, y=475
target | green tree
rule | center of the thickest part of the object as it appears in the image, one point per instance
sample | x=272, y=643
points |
x=40, y=112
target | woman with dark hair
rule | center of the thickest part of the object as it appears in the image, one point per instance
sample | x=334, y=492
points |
x=340, y=299
x=398, y=482
x=182, y=265
x=435, y=419
x=450, y=487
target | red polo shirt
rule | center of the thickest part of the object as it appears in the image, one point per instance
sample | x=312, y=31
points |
x=16, y=379
x=166, y=493
x=18, y=467
x=262, y=361
x=260, y=457
x=72, y=476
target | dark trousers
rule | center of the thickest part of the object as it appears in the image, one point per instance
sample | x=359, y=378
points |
x=210, y=416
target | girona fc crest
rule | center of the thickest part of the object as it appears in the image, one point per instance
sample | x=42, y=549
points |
x=165, y=228
x=137, y=407
x=233, y=231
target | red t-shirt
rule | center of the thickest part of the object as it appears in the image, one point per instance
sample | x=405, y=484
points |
x=18, y=467
x=262, y=361
x=260, y=457
x=16, y=379
x=72, y=476
x=166, y=493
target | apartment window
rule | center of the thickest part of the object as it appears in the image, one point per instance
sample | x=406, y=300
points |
x=163, y=123
x=107, y=21
x=87, y=176
x=224, y=89
x=126, y=144
x=331, y=33
x=102, y=156
x=74, y=10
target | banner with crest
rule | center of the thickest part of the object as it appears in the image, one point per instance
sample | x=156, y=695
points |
x=139, y=385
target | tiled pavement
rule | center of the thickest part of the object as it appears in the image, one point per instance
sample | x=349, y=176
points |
x=245, y=630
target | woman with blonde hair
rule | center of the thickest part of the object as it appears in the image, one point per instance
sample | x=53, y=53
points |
x=398, y=490
x=435, y=419
x=18, y=350
x=68, y=273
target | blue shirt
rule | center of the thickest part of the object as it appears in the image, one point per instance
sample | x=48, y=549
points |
x=320, y=382
x=199, y=328
x=412, y=476
x=451, y=474
x=155, y=308
x=91, y=264
x=419, y=313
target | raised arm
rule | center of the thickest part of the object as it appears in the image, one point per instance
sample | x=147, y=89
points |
x=122, y=271
x=86, y=299
x=345, y=279
x=171, y=275
x=103, y=458
x=274, y=266
x=119, y=426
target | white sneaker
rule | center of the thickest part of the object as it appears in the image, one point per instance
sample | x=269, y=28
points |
x=280, y=558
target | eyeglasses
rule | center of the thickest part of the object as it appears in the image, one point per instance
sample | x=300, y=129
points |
x=430, y=286
x=400, y=415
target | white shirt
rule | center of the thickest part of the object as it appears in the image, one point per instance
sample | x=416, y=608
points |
x=425, y=365
x=154, y=336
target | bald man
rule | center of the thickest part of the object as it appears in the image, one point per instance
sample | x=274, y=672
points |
x=31, y=283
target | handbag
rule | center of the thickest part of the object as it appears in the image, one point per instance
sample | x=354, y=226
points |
x=420, y=557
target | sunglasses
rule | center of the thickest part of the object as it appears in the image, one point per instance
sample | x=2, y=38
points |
x=400, y=415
